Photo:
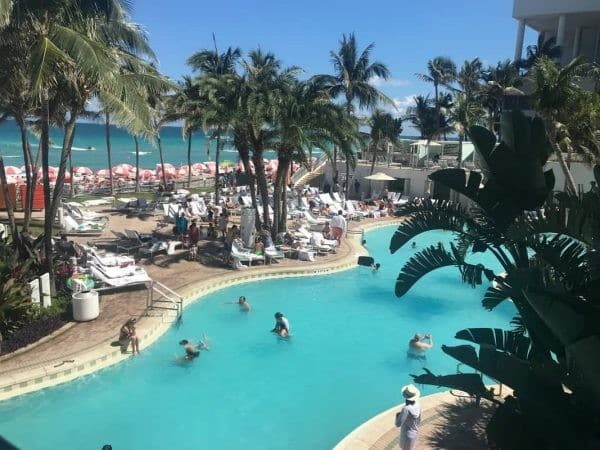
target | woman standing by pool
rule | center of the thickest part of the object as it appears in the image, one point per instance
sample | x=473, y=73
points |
x=409, y=419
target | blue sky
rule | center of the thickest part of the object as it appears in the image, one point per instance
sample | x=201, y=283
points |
x=406, y=33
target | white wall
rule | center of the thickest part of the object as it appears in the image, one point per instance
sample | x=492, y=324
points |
x=582, y=173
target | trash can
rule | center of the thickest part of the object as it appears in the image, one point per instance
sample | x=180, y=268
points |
x=86, y=306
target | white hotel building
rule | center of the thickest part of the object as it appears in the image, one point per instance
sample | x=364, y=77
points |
x=574, y=23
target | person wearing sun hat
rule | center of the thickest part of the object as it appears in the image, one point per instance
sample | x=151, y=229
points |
x=409, y=419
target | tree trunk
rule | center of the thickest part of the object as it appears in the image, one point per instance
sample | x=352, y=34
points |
x=279, y=197
x=373, y=160
x=217, y=161
x=162, y=160
x=244, y=153
x=72, y=187
x=9, y=206
x=334, y=165
x=62, y=166
x=45, y=150
x=29, y=172
x=137, y=163
x=261, y=181
x=189, y=159
x=570, y=186
x=460, y=149
x=108, y=151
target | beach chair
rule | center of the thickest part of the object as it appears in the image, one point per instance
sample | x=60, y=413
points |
x=240, y=254
x=273, y=254
x=131, y=244
x=124, y=279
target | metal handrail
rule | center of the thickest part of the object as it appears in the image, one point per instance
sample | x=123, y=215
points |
x=303, y=171
x=168, y=294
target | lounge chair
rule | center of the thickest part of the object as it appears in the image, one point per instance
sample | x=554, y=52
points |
x=240, y=254
x=108, y=259
x=71, y=226
x=273, y=254
x=126, y=279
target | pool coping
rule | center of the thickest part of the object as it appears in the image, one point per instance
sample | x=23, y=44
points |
x=150, y=328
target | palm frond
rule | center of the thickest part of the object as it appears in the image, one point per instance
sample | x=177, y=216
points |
x=420, y=264
x=496, y=294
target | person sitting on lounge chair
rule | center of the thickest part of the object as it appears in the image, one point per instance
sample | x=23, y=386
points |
x=326, y=231
x=128, y=335
x=282, y=325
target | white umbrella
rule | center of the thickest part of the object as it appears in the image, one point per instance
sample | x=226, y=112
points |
x=380, y=176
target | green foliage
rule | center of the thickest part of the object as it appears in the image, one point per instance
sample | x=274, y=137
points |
x=551, y=272
x=14, y=289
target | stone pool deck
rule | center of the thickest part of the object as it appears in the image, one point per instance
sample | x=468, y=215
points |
x=82, y=348
x=448, y=421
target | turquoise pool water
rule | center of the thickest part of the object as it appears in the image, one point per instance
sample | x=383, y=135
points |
x=345, y=362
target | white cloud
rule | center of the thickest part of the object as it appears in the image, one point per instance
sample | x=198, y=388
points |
x=390, y=82
x=401, y=105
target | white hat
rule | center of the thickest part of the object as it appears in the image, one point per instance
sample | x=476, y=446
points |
x=410, y=392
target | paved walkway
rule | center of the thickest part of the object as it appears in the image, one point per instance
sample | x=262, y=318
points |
x=447, y=422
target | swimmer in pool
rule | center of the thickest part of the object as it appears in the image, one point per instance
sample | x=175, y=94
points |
x=375, y=267
x=193, y=351
x=282, y=325
x=417, y=346
x=243, y=304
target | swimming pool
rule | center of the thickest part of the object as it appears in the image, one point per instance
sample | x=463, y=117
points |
x=344, y=363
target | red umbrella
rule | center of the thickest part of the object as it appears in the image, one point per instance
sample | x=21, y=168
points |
x=102, y=173
x=146, y=174
x=82, y=171
x=11, y=170
x=121, y=170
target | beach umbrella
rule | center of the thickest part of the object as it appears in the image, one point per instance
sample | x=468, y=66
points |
x=121, y=170
x=146, y=174
x=199, y=167
x=10, y=179
x=82, y=171
x=380, y=176
x=12, y=170
x=102, y=173
x=168, y=167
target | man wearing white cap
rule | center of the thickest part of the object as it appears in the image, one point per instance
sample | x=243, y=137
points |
x=409, y=419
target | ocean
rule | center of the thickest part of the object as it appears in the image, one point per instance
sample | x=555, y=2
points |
x=89, y=147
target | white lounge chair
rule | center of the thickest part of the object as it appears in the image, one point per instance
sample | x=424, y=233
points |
x=137, y=277
x=272, y=254
x=108, y=259
x=240, y=254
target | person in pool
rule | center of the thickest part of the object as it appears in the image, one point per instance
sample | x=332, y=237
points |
x=414, y=245
x=282, y=325
x=243, y=304
x=375, y=267
x=193, y=351
x=417, y=346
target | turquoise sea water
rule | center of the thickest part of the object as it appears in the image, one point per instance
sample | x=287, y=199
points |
x=345, y=362
x=123, y=147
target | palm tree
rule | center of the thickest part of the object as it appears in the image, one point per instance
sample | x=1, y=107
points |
x=385, y=130
x=469, y=77
x=465, y=113
x=423, y=116
x=555, y=89
x=547, y=48
x=499, y=80
x=267, y=83
x=353, y=76
x=441, y=72
x=213, y=64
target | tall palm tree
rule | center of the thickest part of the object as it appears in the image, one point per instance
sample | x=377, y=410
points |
x=555, y=88
x=352, y=79
x=267, y=83
x=469, y=77
x=214, y=64
x=465, y=113
x=423, y=116
x=547, y=48
x=385, y=129
x=498, y=81
x=441, y=72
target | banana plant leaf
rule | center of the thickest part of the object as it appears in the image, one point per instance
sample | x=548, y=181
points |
x=503, y=340
x=470, y=383
x=427, y=217
x=496, y=294
x=515, y=179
